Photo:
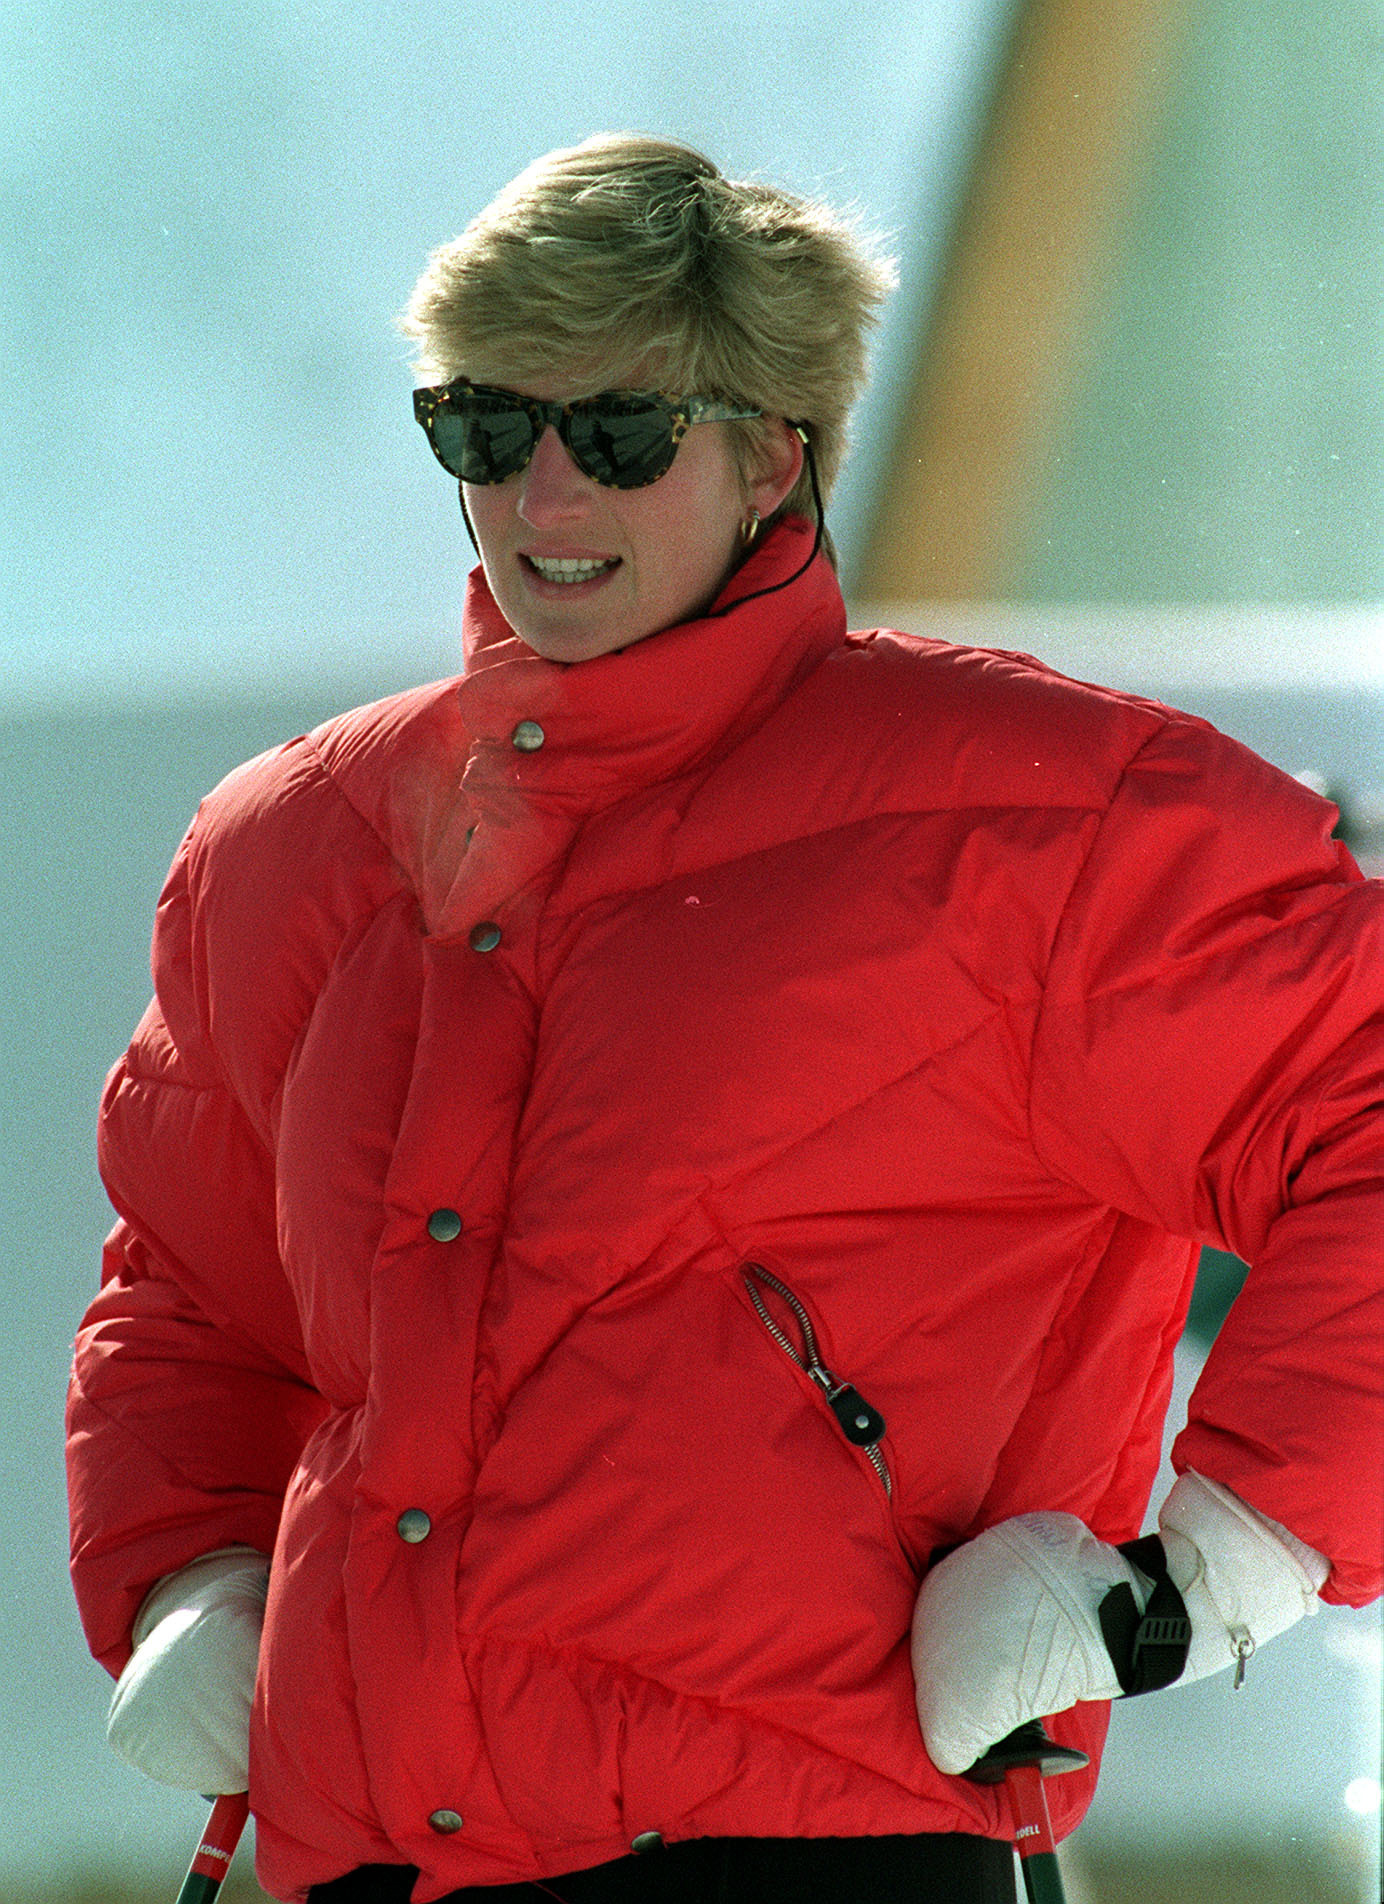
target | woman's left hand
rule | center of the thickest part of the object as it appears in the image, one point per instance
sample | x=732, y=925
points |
x=1008, y=1627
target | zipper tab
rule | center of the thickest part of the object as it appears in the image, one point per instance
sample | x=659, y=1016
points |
x=1243, y=1643
x=860, y=1423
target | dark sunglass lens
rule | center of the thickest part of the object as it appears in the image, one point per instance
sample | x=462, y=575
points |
x=624, y=443
x=481, y=441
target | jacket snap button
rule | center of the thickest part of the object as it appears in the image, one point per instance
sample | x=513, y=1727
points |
x=444, y=1226
x=413, y=1525
x=446, y=1821
x=484, y=937
x=647, y=1841
x=528, y=737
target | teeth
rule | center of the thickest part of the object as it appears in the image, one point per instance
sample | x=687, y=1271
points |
x=569, y=568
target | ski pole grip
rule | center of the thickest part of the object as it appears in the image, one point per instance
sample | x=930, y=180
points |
x=1027, y=1744
x=212, y=1859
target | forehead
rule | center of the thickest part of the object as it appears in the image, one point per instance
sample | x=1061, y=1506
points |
x=533, y=375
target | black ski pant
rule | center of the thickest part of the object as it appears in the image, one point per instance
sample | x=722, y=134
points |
x=942, y=1868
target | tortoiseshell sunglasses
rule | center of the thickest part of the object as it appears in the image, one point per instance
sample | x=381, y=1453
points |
x=624, y=439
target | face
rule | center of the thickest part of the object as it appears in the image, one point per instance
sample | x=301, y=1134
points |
x=663, y=551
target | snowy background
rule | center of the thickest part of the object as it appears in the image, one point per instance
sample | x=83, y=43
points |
x=222, y=524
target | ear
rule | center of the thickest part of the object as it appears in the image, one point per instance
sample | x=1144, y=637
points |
x=781, y=466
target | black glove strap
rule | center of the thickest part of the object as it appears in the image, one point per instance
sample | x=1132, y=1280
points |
x=1148, y=1650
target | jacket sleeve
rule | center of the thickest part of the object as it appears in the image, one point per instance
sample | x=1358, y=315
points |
x=190, y=1397
x=1210, y=1058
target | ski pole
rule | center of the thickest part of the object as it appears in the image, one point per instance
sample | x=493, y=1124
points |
x=1021, y=1762
x=212, y=1859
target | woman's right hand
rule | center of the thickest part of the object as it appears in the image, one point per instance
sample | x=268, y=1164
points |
x=181, y=1709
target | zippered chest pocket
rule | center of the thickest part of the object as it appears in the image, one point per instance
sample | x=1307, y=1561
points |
x=793, y=1331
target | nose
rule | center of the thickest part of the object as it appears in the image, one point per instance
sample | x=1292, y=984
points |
x=552, y=488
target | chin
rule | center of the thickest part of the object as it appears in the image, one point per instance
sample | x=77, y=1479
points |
x=576, y=637
x=575, y=644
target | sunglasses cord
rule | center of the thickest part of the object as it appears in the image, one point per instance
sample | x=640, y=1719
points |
x=773, y=588
x=466, y=518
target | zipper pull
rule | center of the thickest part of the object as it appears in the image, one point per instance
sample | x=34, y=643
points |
x=860, y=1423
x=1243, y=1642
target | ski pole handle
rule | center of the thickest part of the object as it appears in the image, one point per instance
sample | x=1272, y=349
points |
x=212, y=1859
x=1021, y=1762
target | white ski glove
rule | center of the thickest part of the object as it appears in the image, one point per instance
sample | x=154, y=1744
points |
x=1008, y=1628
x=181, y=1709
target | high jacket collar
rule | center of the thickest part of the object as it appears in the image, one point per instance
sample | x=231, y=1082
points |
x=644, y=713
x=476, y=820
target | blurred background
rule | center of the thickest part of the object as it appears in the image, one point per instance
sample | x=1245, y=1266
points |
x=1126, y=415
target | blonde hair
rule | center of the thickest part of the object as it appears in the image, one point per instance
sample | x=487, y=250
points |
x=629, y=257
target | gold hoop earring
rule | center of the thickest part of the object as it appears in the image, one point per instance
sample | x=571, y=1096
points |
x=749, y=529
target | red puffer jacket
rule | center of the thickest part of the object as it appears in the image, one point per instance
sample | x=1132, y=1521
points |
x=554, y=1075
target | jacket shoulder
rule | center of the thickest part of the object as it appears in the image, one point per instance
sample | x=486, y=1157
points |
x=287, y=859
x=349, y=763
x=999, y=727
x=334, y=807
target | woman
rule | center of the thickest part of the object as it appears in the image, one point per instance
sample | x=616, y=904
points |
x=665, y=1166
